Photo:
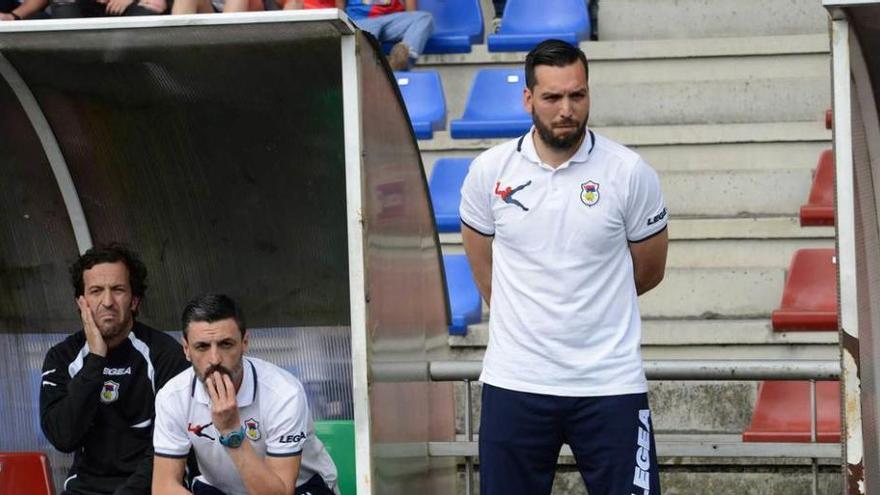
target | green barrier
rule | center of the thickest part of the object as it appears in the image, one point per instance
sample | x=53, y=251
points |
x=338, y=438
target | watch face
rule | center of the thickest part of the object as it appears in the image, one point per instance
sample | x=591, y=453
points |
x=234, y=439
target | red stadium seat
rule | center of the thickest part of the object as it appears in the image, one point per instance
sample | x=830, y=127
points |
x=782, y=413
x=819, y=210
x=809, y=299
x=25, y=472
x=829, y=119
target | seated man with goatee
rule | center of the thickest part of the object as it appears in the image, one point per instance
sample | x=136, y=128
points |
x=247, y=420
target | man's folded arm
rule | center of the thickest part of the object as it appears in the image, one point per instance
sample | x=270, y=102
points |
x=68, y=405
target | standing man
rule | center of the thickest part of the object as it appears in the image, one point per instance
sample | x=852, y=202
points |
x=563, y=229
x=247, y=420
x=98, y=386
x=397, y=21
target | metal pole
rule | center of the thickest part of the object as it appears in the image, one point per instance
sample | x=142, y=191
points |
x=813, y=437
x=469, y=436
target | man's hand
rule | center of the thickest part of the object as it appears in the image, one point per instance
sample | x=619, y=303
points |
x=93, y=335
x=224, y=408
x=7, y=17
x=117, y=7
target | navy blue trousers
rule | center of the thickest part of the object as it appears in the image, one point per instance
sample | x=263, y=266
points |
x=521, y=434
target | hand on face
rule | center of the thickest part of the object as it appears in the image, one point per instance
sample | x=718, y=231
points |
x=224, y=408
x=96, y=342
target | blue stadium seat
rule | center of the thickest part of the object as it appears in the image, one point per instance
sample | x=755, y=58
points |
x=423, y=94
x=458, y=24
x=445, y=186
x=464, y=297
x=526, y=23
x=494, y=106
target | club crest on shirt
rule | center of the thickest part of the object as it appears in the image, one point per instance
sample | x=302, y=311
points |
x=590, y=193
x=252, y=429
x=109, y=392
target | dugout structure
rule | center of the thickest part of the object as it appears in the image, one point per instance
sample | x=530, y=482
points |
x=855, y=44
x=265, y=155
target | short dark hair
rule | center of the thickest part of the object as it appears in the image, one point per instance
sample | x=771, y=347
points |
x=110, y=253
x=212, y=307
x=556, y=53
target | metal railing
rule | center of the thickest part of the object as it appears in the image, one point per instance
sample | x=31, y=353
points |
x=683, y=370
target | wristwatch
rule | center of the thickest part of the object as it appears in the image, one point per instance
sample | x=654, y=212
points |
x=232, y=439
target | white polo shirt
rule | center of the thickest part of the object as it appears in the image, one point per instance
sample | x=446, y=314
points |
x=273, y=410
x=564, y=316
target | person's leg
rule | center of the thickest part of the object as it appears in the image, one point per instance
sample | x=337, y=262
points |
x=315, y=486
x=72, y=9
x=520, y=438
x=612, y=439
x=135, y=9
x=412, y=28
x=373, y=25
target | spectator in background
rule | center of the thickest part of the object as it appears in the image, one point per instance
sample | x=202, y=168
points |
x=395, y=21
x=207, y=6
x=66, y=9
x=98, y=385
x=12, y=10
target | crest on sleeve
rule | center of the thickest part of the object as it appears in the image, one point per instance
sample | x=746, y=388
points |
x=109, y=392
x=590, y=193
x=252, y=429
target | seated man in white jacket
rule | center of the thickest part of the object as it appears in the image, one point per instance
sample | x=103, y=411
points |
x=247, y=420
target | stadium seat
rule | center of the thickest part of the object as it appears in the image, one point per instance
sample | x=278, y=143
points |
x=464, y=297
x=458, y=24
x=809, y=299
x=819, y=210
x=782, y=412
x=526, y=23
x=423, y=94
x=829, y=119
x=338, y=437
x=445, y=186
x=25, y=472
x=494, y=106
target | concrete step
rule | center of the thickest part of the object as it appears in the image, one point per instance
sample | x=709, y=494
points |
x=698, y=339
x=706, y=407
x=664, y=19
x=738, y=253
x=728, y=156
x=714, y=293
x=735, y=192
x=797, y=146
x=754, y=88
x=674, y=144
x=653, y=49
x=718, y=228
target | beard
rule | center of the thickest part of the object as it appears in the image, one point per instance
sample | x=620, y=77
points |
x=114, y=328
x=559, y=143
